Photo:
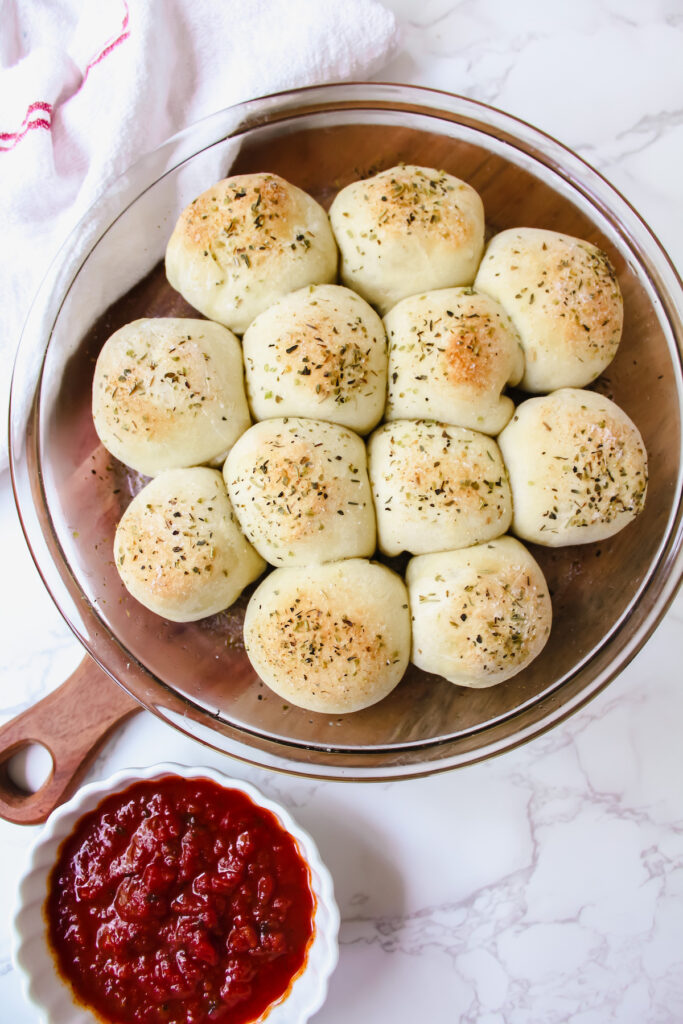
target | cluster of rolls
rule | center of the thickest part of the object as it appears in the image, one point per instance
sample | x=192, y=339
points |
x=318, y=371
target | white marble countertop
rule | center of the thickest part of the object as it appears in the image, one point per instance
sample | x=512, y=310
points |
x=545, y=886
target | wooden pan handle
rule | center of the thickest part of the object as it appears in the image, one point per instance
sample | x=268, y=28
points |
x=71, y=722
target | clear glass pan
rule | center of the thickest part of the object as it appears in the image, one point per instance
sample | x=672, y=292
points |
x=607, y=598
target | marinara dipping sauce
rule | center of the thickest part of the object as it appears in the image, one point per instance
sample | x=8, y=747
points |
x=180, y=901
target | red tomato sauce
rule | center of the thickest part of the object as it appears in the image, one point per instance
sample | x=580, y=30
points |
x=177, y=901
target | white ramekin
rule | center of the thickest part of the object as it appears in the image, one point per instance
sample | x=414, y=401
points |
x=53, y=997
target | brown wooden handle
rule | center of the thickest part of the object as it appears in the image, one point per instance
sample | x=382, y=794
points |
x=71, y=722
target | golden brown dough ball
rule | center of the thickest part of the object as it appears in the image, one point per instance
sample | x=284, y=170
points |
x=301, y=492
x=577, y=466
x=451, y=354
x=408, y=229
x=436, y=487
x=169, y=393
x=332, y=638
x=563, y=296
x=244, y=243
x=178, y=548
x=320, y=352
x=481, y=614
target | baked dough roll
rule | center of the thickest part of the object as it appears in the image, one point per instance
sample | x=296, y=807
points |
x=407, y=230
x=451, y=354
x=564, y=299
x=246, y=242
x=577, y=466
x=480, y=615
x=169, y=393
x=436, y=487
x=301, y=492
x=319, y=352
x=331, y=638
x=179, y=549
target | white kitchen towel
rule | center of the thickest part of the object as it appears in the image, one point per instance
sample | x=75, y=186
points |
x=88, y=87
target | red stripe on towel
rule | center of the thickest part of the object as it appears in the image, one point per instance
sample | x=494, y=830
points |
x=46, y=107
x=27, y=125
x=18, y=136
x=111, y=45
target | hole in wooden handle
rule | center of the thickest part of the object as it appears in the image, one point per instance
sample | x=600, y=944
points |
x=30, y=767
x=70, y=724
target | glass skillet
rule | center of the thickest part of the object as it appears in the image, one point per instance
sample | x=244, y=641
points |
x=607, y=598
